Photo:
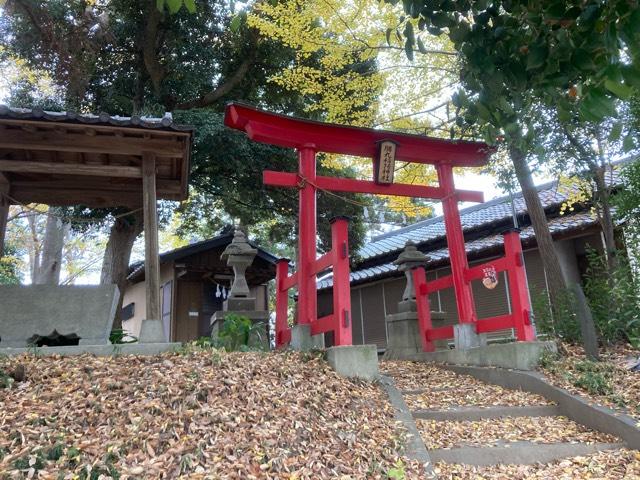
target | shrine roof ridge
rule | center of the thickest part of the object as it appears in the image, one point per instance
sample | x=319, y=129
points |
x=135, y=121
x=295, y=132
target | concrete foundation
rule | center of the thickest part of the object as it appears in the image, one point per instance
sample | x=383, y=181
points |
x=355, y=361
x=152, y=331
x=98, y=350
x=404, y=334
x=465, y=337
x=516, y=355
x=40, y=310
x=303, y=341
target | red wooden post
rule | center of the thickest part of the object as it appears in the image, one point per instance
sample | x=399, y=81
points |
x=341, y=284
x=520, y=306
x=307, y=246
x=283, y=334
x=424, y=310
x=455, y=242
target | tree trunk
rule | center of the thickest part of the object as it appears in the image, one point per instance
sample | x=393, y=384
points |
x=587, y=326
x=48, y=270
x=606, y=218
x=115, y=265
x=555, y=280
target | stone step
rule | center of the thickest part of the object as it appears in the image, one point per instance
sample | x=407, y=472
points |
x=420, y=391
x=522, y=453
x=477, y=413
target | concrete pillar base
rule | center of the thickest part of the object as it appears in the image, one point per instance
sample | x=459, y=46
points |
x=303, y=341
x=354, y=361
x=152, y=331
x=404, y=334
x=465, y=337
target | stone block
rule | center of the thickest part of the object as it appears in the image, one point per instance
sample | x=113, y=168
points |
x=303, y=341
x=152, y=331
x=404, y=334
x=39, y=310
x=465, y=336
x=354, y=361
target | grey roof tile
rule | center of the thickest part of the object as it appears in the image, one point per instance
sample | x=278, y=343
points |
x=159, y=123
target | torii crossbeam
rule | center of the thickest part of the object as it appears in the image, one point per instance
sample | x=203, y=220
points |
x=310, y=137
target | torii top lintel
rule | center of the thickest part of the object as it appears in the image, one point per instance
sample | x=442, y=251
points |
x=287, y=131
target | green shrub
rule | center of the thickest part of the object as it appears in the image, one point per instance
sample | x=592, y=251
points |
x=594, y=377
x=239, y=333
x=563, y=325
x=614, y=304
x=120, y=336
x=614, y=301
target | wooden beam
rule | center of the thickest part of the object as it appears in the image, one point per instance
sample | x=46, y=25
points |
x=90, y=198
x=70, y=169
x=50, y=140
x=151, y=249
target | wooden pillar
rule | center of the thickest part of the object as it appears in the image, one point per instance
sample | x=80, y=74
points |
x=151, y=253
x=4, y=211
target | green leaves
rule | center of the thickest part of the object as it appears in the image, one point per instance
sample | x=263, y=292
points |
x=410, y=40
x=236, y=22
x=597, y=105
x=537, y=56
x=620, y=90
x=175, y=5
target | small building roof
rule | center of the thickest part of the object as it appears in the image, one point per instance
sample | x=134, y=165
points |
x=67, y=158
x=218, y=242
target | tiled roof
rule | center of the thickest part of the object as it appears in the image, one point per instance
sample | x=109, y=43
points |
x=137, y=269
x=561, y=224
x=481, y=215
x=135, y=121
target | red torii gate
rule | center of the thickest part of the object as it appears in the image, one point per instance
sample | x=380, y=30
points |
x=309, y=137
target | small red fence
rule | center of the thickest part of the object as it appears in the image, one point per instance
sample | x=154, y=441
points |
x=339, y=322
x=520, y=316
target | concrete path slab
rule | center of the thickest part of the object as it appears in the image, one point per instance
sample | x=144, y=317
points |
x=522, y=453
x=478, y=413
x=580, y=410
x=415, y=448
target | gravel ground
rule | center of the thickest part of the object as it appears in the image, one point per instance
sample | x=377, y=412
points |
x=486, y=432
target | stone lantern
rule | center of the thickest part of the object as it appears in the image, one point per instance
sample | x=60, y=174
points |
x=403, y=339
x=409, y=259
x=239, y=255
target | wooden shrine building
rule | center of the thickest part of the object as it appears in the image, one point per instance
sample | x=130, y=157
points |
x=99, y=161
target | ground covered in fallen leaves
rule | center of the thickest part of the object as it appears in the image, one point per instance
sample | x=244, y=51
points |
x=609, y=465
x=444, y=389
x=609, y=382
x=196, y=414
x=486, y=432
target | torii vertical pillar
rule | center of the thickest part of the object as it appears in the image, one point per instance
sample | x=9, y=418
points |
x=465, y=332
x=307, y=244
